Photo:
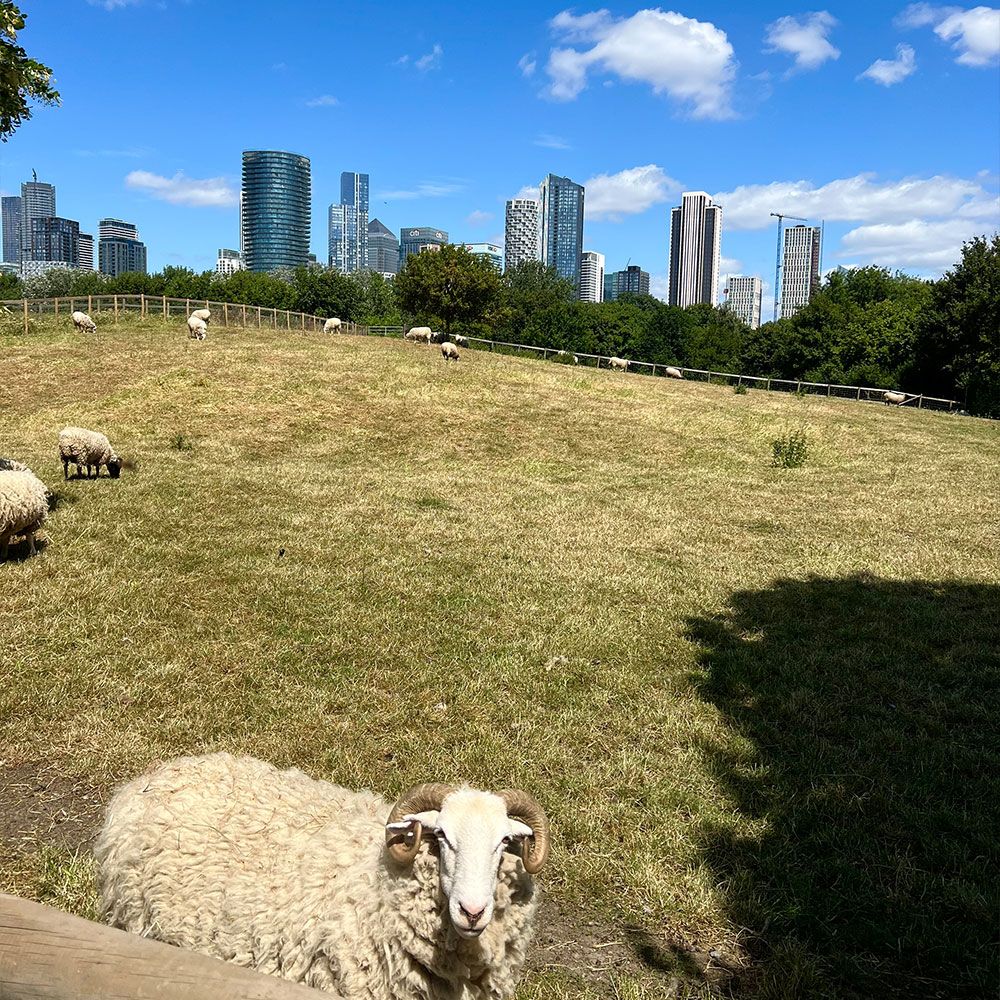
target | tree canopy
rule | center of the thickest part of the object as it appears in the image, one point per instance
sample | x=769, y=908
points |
x=21, y=79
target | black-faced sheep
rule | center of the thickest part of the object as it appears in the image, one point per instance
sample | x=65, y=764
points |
x=449, y=351
x=86, y=449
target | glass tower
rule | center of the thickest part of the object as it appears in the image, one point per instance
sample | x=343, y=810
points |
x=383, y=248
x=416, y=238
x=12, y=229
x=275, y=208
x=562, y=226
x=55, y=239
x=38, y=201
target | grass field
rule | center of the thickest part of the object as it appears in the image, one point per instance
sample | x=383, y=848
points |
x=759, y=704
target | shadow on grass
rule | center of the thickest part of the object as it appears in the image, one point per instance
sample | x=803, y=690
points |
x=865, y=719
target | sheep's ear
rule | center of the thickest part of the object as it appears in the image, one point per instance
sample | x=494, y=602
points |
x=428, y=820
x=521, y=829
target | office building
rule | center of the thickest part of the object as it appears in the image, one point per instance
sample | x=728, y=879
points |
x=695, y=242
x=490, y=250
x=632, y=279
x=521, y=235
x=348, y=233
x=10, y=211
x=275, y=209
x=228, y=262
x=55, y=239
x=119, y=248
x=799, y=267
x=416, y=238
x=561, y=221
x=383, y=249
x=38, y=200
x=743, y=295
x=591, y=276
x=86, y=262
x=336, y=236
x=116, y=229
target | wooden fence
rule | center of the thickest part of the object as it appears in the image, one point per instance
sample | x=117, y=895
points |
x=48, y=953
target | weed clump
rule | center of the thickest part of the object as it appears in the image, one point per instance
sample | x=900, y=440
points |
x=181, y=442
x=790, y=450
x=740, y=389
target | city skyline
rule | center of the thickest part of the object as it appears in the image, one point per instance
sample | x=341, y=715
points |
x=892, y=191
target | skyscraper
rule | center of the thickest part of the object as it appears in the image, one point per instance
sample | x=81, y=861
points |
x=383, y=249
x=743, y=295
x=695, y=241
x=38, y=200
x=11, y=211
x=520, y=234
x=417, y=238
x=591, y=276
x=800, y=268
x=354, y=198
x=86, y=252
x=119, y=248
x=55, y=239
x=275, y=209
x=490, y=250
x=632, y=279
x=336, y=237
x=562, y=226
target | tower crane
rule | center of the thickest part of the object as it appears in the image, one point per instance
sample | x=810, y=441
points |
x=777, y=258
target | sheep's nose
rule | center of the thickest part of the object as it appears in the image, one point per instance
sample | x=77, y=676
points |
x=472, y=915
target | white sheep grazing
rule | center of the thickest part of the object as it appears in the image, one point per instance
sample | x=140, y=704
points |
x=618, y=364
x=197, y=330
x=672, y=372
x=325, y=886
x=460, y=340
x=24, y=504
x=332, y=325
x=897, y=398
x=83, y=322
x=205, y=314
x=449, y=351
x=420, y=333
x=85, y=449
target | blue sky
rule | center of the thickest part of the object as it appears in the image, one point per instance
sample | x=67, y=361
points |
x=881, y=118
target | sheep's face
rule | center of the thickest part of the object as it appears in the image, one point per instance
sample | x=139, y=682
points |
x=115, y=468
x=472, y=831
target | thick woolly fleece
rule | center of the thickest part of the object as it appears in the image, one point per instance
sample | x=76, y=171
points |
x=24, y=502
x=85, y=448
x=278, y=872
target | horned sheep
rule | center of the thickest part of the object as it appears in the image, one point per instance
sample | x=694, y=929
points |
x=332, y=325
x=87, y=449
x=335, y=889
x=449, y=351
x=197, y=328
x=618, y=364
x=83, y=322
x=419, y=333
x=24, y=504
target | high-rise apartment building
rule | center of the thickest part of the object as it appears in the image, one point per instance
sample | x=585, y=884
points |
x=632, y=279
x=743, y=296
x=383, y=249
x=354, y=200
x=86, y=252
x=275, y=209
x=490, y=250
x=228, y=262
x=55, y=239
x=521, y=235
x=10, y=210
x=561, y=222
x=591, y=276
x=119, y=248
x=799, y=267
x=336, y=237
x=416, y=238
x=38, y=200
x=695, y=242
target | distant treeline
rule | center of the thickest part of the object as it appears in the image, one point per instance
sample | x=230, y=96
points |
x=865, y=326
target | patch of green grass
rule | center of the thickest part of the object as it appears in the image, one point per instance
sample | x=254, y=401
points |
x=790, y=450
x=750, y=703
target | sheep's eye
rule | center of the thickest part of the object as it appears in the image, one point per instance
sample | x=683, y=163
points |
x=506, y=841
x=442, y=838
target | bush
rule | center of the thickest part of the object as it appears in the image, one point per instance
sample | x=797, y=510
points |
x=790, y=450
x=740, y=389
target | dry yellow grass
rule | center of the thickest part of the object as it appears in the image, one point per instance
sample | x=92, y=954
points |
x=491, y=573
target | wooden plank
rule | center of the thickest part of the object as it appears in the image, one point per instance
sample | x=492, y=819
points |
x=45, y=953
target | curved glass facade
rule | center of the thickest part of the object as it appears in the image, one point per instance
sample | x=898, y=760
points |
x=275, y=210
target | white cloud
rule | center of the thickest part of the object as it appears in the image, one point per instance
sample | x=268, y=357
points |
x=659, y=286
x=890, y=71
x=180, y=190
x=931, y=246
x=804, y=38
x=730, y=265
x=690, y=61
x=114, y=4
x=919, y=15
x=425, y=189
x=323, y=101
x=477, y=217
x=629, y=192
x=551, y=141
x=528, y=191
x=861, y=198
x=432, y=60
x=974, y=33
x=527, y=64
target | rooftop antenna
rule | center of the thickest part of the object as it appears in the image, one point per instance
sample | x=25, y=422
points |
x=34, y=176
x=777, y=257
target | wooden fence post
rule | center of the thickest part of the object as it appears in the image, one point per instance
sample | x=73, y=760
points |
x=244, y=317
x=142, y=305
x=165, y=312
x=225, y=313
x=258, y=317
x=57, y=305
x=25, y=315
x=90, y=307
x=116, y=310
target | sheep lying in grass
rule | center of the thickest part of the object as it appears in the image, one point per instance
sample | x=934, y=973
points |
x=86, y=449
x=325, y=886
x=618, y=364
x=197, y=328
x=423, y=334
x=332, y=325
x=204, y=314
x=83, y=322
x=672, y=372
x=449, y=351
x=24, y=504
x=894, y=398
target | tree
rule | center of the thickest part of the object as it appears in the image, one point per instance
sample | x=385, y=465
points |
x=21, y=78
x=450, y=284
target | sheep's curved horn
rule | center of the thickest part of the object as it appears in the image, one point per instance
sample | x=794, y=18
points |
x=416, y=799
x=520, y=805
